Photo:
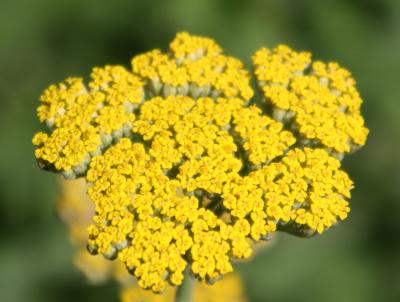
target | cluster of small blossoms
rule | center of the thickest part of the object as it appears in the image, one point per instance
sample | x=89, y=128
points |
x=76, y=211
x=317, y=100
x=195, y=66
x=83, y=121
x=186, y=171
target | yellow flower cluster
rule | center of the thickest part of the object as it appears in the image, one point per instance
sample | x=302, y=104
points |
x=306, y=189
x=82, y=121
x=160, y=194
x=319, y=101
x=184, y=173
x=196, y=67
x=262, y=138
x=76, y=210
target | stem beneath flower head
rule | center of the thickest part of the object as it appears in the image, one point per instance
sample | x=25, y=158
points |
x=184, y=292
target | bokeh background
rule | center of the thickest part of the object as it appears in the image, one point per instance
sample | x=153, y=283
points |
x=44, y=41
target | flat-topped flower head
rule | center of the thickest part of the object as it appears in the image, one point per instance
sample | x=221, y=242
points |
x=318, y=100
x=186, y=171
x=164, y=195
x=76, y=210
x=84, y=120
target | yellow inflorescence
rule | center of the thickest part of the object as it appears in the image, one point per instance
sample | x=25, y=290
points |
x=83, y=121
x=154, y=219
x=262, y=137
x=76, y=210
x=185, y=46
x=306, y=189
x=320, y=100
x=189, y=176
x=195, y=67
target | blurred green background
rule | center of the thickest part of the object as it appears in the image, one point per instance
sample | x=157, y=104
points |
x=44, y=41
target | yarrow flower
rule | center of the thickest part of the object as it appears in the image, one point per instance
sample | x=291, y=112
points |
x=76, y=210
x=317, y=101
x=186, y=170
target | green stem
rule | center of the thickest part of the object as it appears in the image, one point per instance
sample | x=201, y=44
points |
x=184, y=292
